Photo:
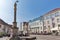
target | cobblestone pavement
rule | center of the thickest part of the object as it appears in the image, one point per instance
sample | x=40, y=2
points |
x=4, y=38
x=39, y=37
x=47, y=37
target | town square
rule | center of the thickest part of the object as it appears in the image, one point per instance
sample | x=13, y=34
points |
x=39, y=37
x=29, y=20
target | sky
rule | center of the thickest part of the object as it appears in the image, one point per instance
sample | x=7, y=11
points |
x=26, y=9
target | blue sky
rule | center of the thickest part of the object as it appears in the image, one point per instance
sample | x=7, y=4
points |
x=26, y=9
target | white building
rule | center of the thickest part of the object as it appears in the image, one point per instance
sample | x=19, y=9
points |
x=52, y=20
x=48, y=23
x=36, y=25
x=4, y=27
x=24, y=27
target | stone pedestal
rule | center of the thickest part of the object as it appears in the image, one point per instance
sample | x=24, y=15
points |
x=15, y=28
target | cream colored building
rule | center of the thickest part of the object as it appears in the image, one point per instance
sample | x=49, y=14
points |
x=4, y=27
x=50, y=22
x=36, y=25
x=24, y=27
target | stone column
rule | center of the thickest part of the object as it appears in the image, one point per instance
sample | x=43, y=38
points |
x=15, y=28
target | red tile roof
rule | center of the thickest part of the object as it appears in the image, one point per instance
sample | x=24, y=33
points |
x=52, y=11
x=4, y=23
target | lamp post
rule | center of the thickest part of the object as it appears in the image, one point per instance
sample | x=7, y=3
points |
x=15, y=28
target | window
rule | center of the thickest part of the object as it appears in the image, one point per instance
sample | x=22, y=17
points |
x=57, y=14
x=58, y=20
x=40, y=23
x=48, y=27
x=53, y=25
x=0, y=26
x=59, y=25
x=41, y=28
x=52, y=15
x=48, y=22
x=52, y=19
x=44, y=17
x=37, y=23
x=44, y=28
x=47, y=17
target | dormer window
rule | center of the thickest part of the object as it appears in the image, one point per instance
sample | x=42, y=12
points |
x=57, y=14
x=52, y=15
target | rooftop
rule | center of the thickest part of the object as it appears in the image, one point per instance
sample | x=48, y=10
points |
x=41, y=17
x=4, y=23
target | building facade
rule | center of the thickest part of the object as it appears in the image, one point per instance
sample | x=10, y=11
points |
x=52, y=20
x=4, y=27
x=47, y=23
x=36, y=25
x=24, y=27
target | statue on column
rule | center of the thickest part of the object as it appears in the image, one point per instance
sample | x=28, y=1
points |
x=14, y=27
